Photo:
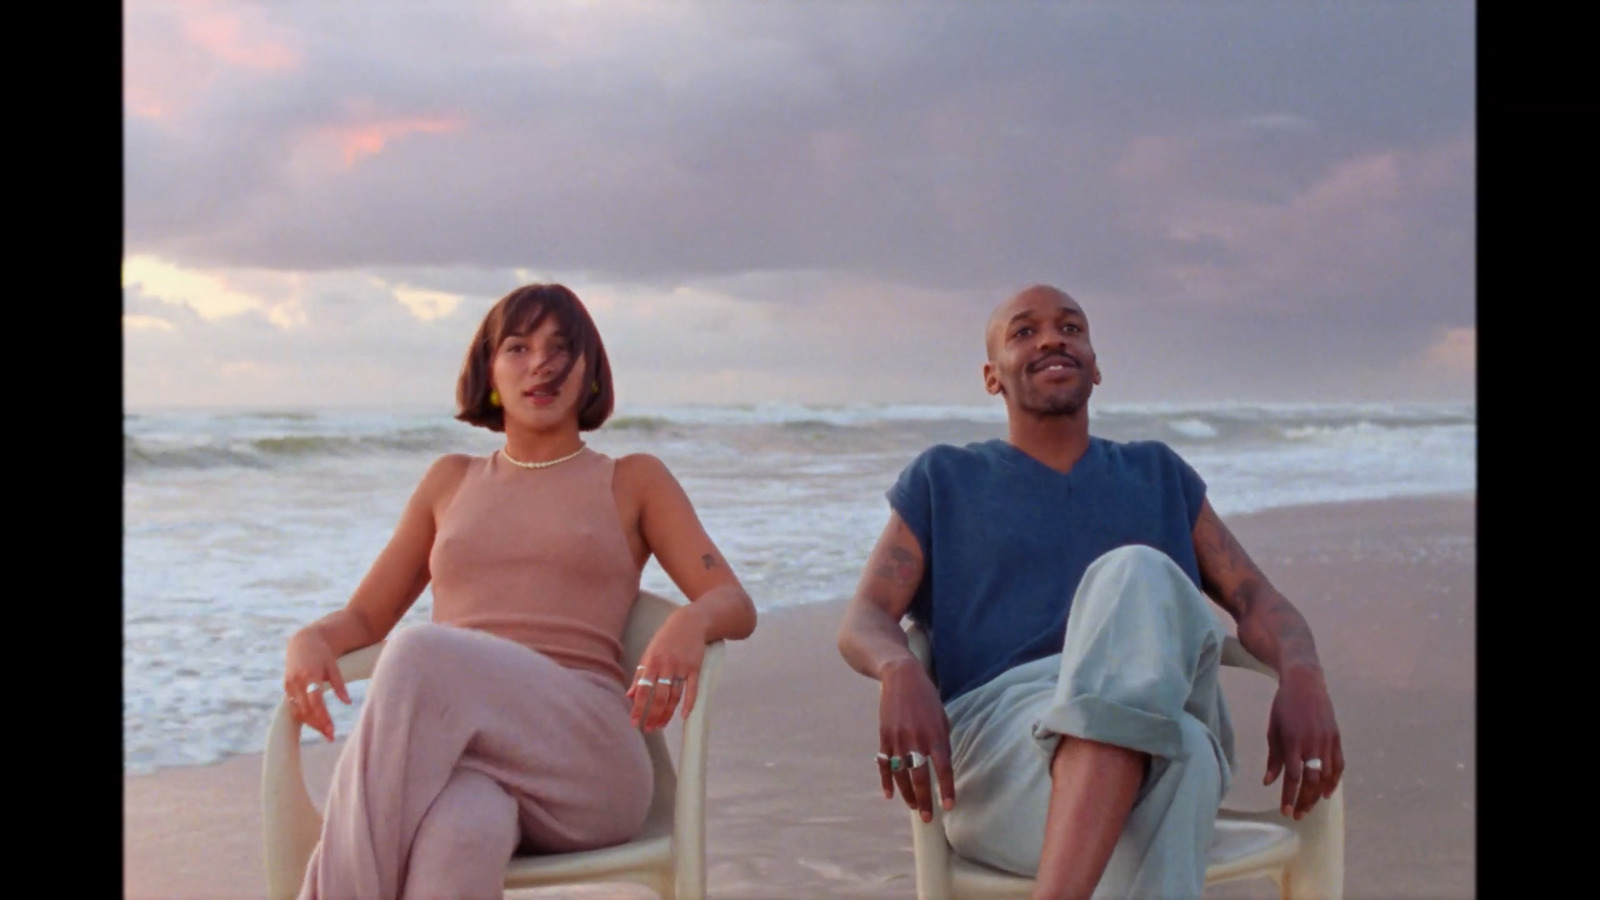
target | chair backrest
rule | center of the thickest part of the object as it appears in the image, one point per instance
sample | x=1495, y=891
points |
x=649, y=613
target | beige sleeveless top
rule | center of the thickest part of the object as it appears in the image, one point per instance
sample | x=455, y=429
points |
x=538, y=556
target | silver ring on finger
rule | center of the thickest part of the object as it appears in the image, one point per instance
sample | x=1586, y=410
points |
x=1312, y=765
x=882, y=757
x=918, y=760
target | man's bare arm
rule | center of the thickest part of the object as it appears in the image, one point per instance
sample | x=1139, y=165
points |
x=911, y=720
x=870, y=637
x=1303, y=742
x=1269, y=625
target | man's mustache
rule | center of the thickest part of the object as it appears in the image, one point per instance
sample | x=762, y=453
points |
x=1052, y=358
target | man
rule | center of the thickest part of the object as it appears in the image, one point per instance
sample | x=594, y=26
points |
x=1077, y=731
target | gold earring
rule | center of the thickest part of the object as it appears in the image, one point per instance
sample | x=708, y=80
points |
x=594, y=387
x=494, y=397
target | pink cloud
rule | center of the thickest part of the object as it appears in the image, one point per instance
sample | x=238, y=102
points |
x=1153, y=160
x=361, y=140
x=1350, y=230
x=175, y=53
x=1356, y=184
x=143, y=102
x=1455, y=351
x=223, y=35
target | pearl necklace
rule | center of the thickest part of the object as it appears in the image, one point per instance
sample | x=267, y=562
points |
x=541, y=465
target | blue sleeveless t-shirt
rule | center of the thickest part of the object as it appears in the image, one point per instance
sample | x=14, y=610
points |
x=1006, y=539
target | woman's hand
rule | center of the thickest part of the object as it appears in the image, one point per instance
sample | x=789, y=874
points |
x=669, y=670
x=310, y=664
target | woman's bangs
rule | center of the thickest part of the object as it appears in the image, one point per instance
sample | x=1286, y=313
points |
x=524, y=315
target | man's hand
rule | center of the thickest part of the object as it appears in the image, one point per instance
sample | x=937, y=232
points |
x=1302, y=737
x=1303, y=742
x=911, y=720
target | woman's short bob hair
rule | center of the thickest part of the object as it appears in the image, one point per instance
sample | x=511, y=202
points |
x=521, y=312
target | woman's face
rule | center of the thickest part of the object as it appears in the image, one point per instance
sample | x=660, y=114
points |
x=523, y=367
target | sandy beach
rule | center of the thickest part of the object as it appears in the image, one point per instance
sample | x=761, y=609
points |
x=794, y=809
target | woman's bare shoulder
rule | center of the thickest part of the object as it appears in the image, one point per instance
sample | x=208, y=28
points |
x=446, y=473
x=640, y=472
x=452, y=465
x=641, y=464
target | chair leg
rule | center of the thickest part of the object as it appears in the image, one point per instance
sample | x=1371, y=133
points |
x=1317, y=873
x=932, y=853
x=685, y=881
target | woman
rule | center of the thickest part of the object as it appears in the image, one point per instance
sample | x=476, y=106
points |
x=508, y=721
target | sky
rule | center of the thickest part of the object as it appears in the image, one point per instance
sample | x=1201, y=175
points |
x=814, y=202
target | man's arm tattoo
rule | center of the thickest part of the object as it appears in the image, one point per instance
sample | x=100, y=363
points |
x=1275, y=615
x=1224, y=562
x=899, y=567
x=1253, y=601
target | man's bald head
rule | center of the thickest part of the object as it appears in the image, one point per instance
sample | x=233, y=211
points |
x=1027, y=298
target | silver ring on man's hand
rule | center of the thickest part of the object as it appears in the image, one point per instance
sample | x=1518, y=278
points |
x=882, y=757
x=313, y=687
x=1312, y=765
x=647, y=682
x=918, y=760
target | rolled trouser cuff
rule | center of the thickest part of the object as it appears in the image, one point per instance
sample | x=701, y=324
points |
x=1108, y=722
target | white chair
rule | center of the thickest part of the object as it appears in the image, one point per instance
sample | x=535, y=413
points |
x=668, y=855
x=1305, y=858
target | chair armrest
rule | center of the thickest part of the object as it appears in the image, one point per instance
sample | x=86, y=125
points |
x=1234, y=654
x=930, y=849
x=358, y=665
x=689, y=811
x=917, y=640
x=290, y=823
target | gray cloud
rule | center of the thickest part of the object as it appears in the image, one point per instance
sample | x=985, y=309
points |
x=1286, y=178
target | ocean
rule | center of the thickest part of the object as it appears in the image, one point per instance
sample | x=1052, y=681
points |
x=239, y=528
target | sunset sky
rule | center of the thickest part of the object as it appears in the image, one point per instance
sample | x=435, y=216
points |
x=819, y=202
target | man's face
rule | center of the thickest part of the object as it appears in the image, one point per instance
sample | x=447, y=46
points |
x=1040, y=357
